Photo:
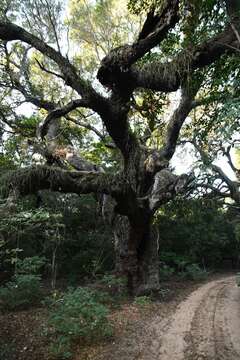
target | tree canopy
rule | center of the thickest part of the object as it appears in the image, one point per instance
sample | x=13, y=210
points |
x=114, y=89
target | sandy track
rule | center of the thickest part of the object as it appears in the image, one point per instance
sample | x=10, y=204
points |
x=205, y=326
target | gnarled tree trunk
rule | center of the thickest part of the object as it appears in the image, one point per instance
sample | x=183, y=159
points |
x=136, y=255
x=142, y=263
x=120, y=233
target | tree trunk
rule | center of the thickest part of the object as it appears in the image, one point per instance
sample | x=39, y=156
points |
x=136, y=254
x=149, y=261
x=121, y=231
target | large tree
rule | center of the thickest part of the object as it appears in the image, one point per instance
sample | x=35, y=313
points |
x=176, y=48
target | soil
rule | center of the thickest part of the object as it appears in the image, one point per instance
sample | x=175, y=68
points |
x=206, y=325
x=188, y=322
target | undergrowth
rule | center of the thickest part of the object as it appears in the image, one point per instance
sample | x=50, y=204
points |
x=78, y=314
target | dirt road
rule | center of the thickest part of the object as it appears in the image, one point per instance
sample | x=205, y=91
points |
x=206, y=325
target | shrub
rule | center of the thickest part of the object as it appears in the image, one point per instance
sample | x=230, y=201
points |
x=7, y=350
x=142, y=300
x=165, y=271
x=114, y=281
x=25, y=287
x=30, y=265
x=21, y=292
x=78, y=313
x=115, y=285
x=194, y=272
x=164, y=293
x=175, y=261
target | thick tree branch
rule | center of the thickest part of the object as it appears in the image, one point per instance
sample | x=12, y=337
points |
x=154, y=31
x=177, y=119
x=166, y=186
x=157, y=25
x=227, y=153
x=30, y=180
x=114, y=116
x=116, y=121
x=10, y=32
x=168, y=76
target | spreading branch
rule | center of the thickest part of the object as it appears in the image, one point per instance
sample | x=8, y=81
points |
x=91, y=128
x=232, y=187
x=10, y=32
x=177, y=119
x=108, y=110
x=227, y=153
x=59, y=112
x=30, y=180
x=43, y=68
x=155, y=29
x=168, y=76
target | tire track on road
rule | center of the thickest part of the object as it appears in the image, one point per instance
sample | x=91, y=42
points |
x=205, y=326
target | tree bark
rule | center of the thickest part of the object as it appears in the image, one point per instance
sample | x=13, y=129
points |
x=149, y=262
x=120, y=232
x=141, y=262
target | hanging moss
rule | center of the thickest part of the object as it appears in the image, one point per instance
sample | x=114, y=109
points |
x=30, y=180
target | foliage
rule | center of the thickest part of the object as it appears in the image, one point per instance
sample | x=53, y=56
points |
x=196, y=231
x=194, y=272
x=79, y=313
x=29, y=14
x=23, y=233
x=25, y=287
x=7, y=350
x=183, y=266
x=96, y=36
x=30, y=265
x=116, y=287
x=142, y=300
x=20, y=292
x=113, y=281
x=6, y=162
x=177, y=261
x=198, y=19
x=165, y=271
x=66, y=229
x=87, y=238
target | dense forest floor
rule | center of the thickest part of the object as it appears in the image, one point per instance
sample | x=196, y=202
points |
x=146, y=330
